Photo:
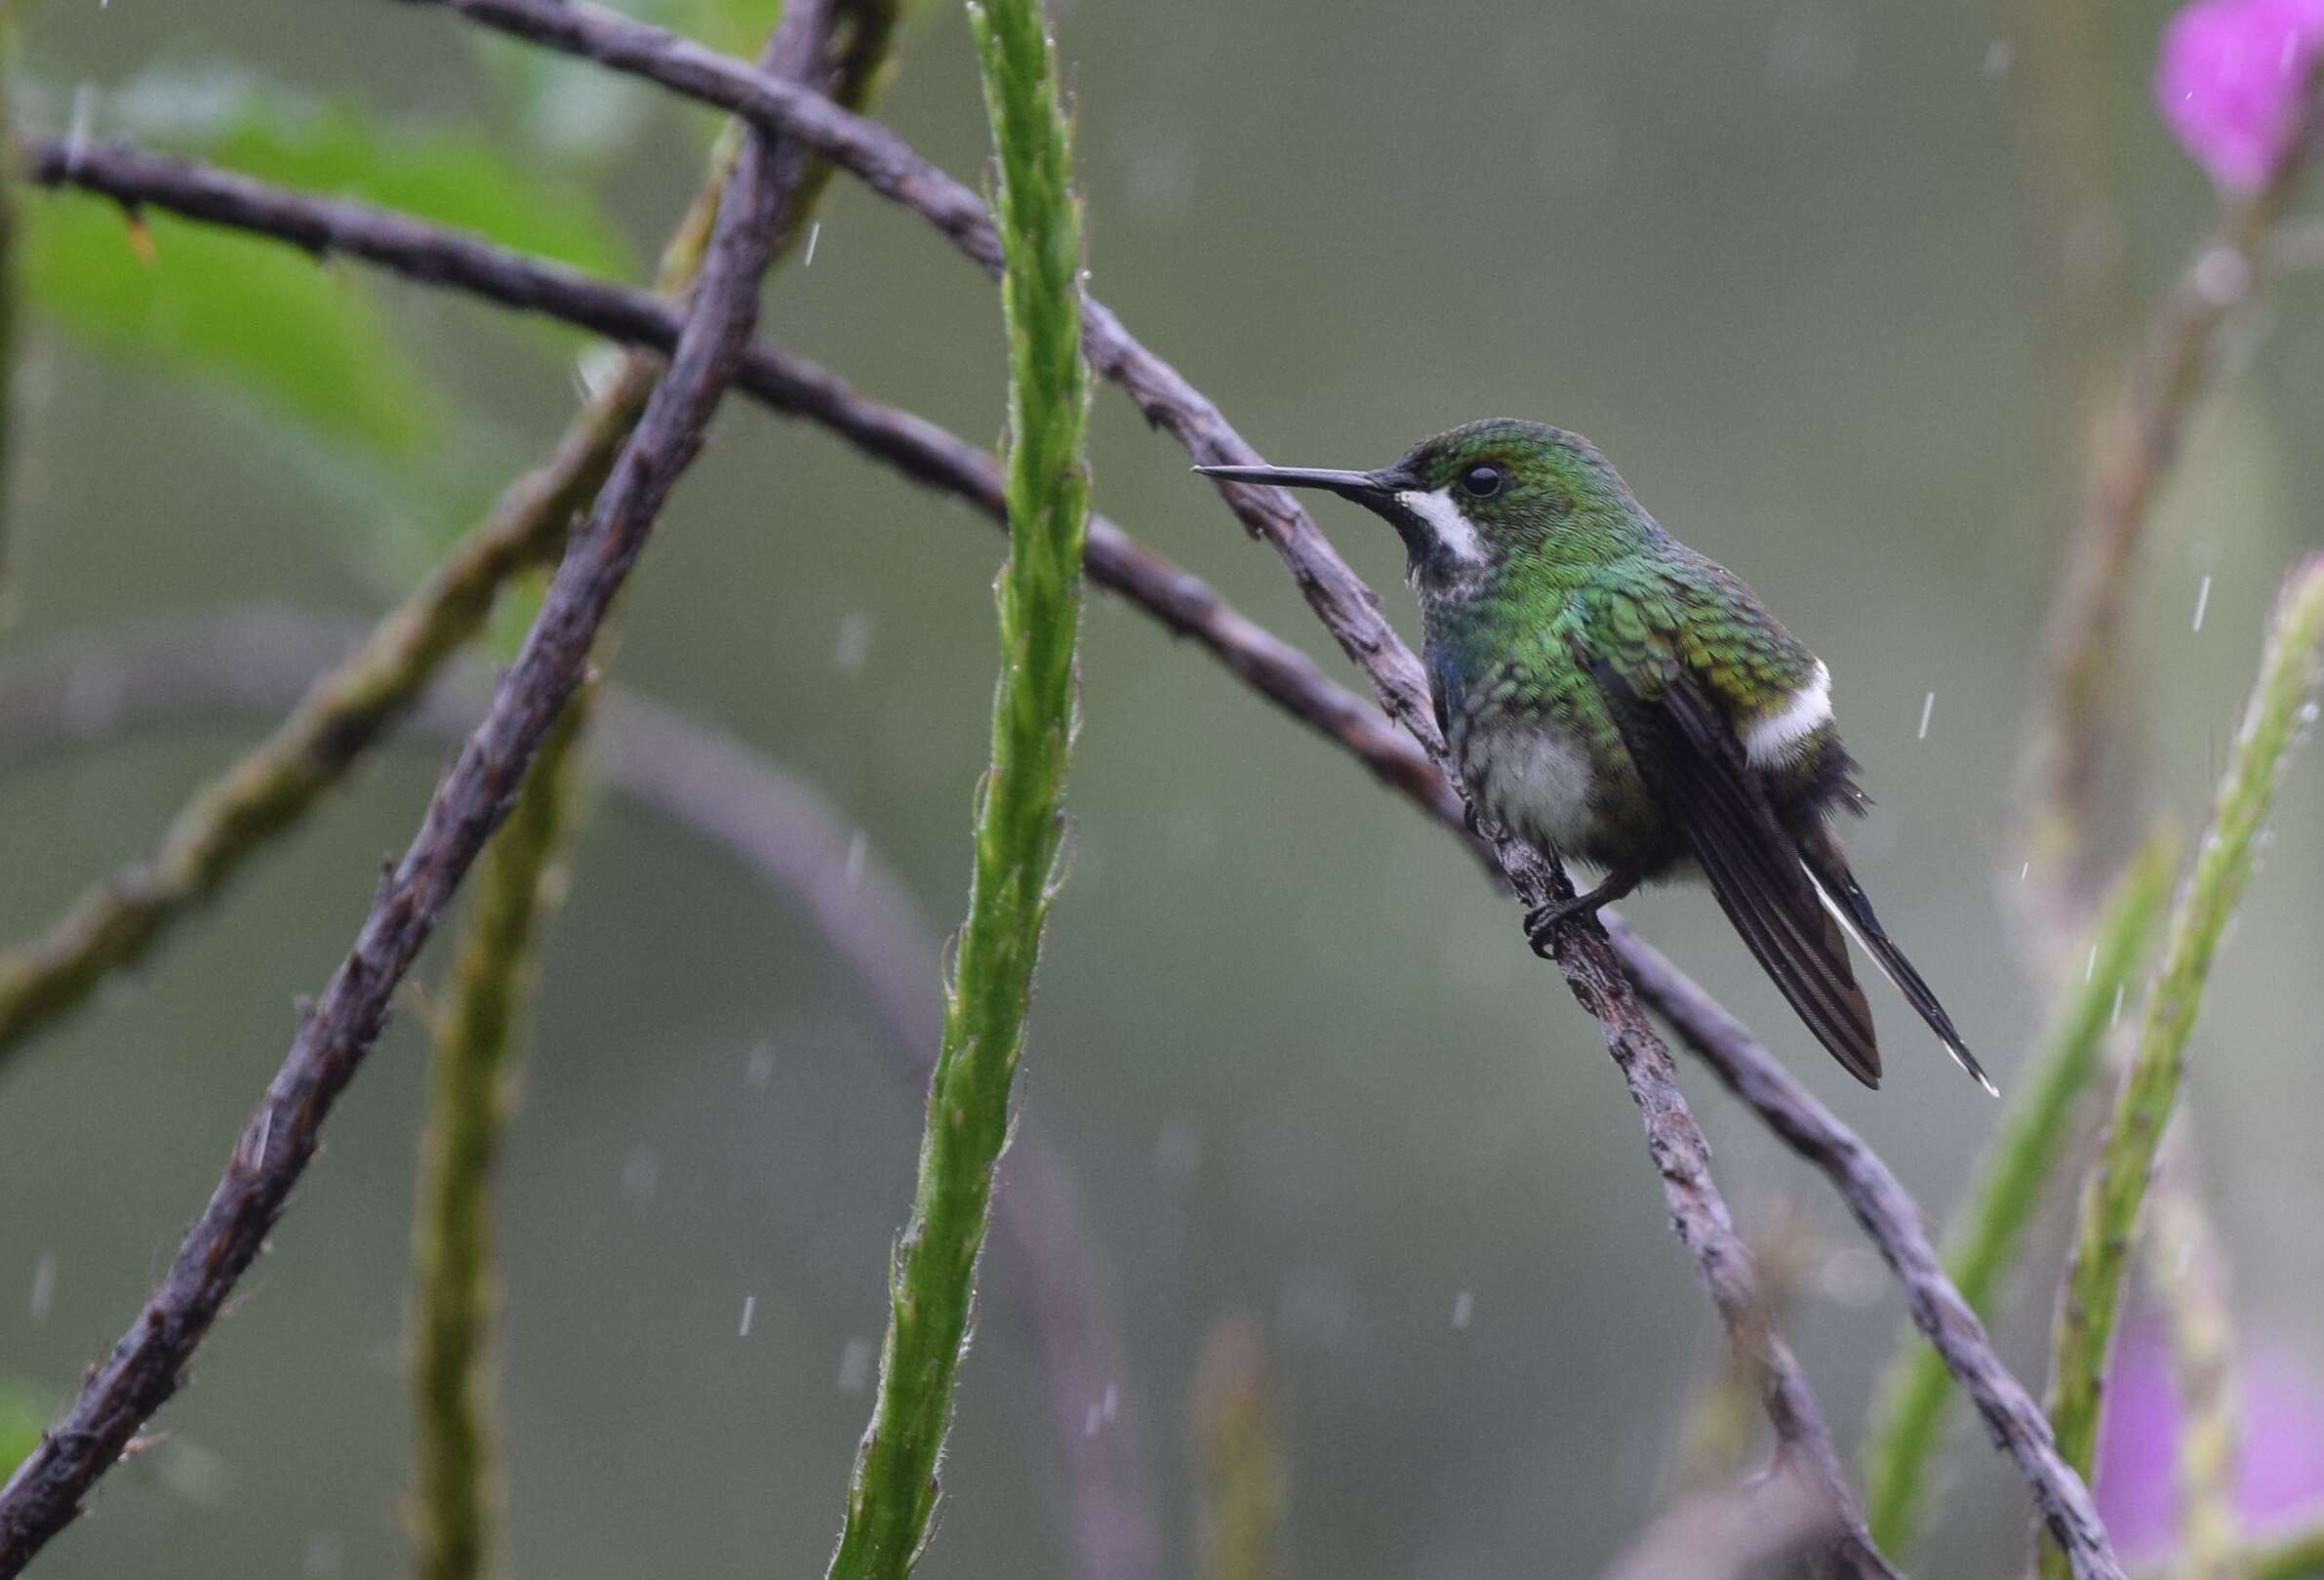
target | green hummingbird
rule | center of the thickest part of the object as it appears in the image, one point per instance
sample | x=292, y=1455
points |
x=1620, y=699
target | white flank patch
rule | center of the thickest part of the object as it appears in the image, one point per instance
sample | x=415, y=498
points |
x=1772, y=739
x=1444, y=518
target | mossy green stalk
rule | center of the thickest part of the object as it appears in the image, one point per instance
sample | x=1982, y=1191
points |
x=892, y=1494
x=2011, y=1182
x=472, y=1088
x=2187, y=1270
x=2282, y=702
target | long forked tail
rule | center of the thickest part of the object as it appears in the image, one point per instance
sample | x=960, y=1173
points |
x=1837, y=888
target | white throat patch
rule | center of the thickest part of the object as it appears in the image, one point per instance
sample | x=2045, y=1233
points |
x=1444, y=518
x=1779, y=737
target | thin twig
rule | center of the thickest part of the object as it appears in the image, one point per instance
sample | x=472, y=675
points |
x=1890, y=1217
x=146, y=1365
x=90, y=691
x=2114, y=1190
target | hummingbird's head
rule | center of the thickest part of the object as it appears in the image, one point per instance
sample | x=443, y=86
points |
x=1485, y=496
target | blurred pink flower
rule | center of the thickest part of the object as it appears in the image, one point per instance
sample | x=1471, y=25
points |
x=2231, y=80
x=2282, y=1485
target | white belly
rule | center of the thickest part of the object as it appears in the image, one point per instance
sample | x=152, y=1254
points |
x=1532, y=776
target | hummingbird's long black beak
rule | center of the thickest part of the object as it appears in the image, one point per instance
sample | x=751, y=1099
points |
x=1368, y=488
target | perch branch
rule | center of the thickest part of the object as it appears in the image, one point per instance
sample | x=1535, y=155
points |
x=146, y=1365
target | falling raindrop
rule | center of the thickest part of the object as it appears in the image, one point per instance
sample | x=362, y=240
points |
x=1112, y=1402
x=83, y=116
x=1465, y=1305
x=1177, y=1152
x=641, y=1174
x=1998, y=56
x=325, y=1555
x=2116, y=1019
x=815, y=233
x=853, y=648
x=2090, y=966
x=1928, y=706
x=858, y=848
x=1089, y=1425
x=44, y=1287
x=761, y=1068
x=855, y=1365
x=2202, y=602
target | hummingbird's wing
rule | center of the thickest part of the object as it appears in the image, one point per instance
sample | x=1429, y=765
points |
x=1695, y=767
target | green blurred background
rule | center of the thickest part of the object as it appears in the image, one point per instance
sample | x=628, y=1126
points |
x=1289, y=1047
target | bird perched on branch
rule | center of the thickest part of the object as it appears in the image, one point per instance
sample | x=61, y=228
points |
x=1616, y=697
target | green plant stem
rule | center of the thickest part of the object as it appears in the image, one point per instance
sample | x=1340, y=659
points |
x=2115, y=1189
x=2035, y=1135
x=2188, y=1271
x=470, y=1090
x=1019, y=831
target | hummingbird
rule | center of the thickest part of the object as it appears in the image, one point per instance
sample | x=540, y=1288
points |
x=1623, y=701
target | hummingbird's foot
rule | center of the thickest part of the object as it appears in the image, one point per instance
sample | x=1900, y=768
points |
x=1542, y=922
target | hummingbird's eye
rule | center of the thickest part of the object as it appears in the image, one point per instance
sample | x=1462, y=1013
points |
x=1483, y=482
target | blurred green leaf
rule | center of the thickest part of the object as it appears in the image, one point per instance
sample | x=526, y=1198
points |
x=456, y=176
x=205, y=301
x=455, y=179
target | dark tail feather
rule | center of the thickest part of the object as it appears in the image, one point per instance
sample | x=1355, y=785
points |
x=1846, y=901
